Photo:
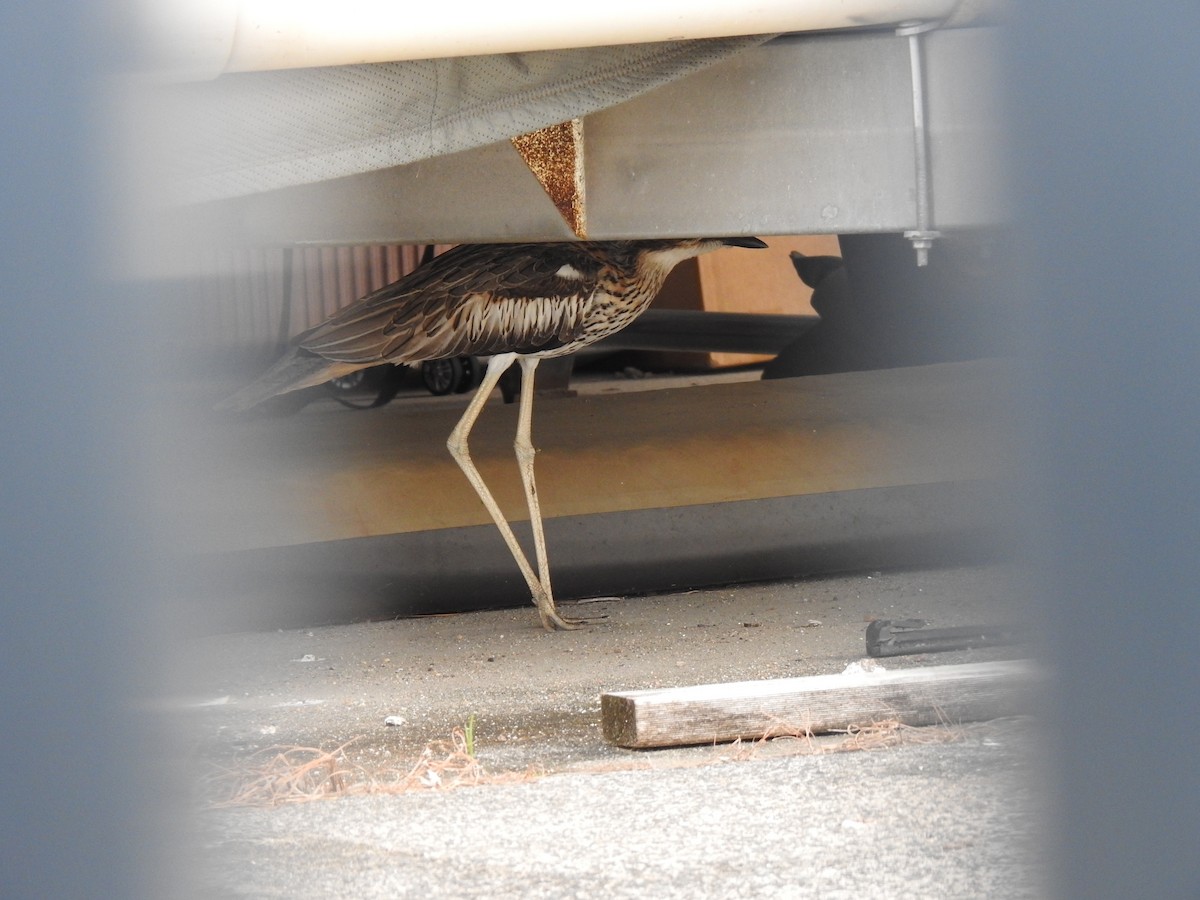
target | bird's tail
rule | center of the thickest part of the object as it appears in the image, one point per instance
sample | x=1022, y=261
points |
x=296, y=369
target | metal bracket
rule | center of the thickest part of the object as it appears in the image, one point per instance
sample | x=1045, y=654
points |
x=923, y=236
x=900, y=637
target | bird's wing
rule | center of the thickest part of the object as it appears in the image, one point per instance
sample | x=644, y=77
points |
x=475, y=299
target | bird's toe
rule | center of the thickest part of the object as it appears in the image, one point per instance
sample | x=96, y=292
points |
x=552, y=621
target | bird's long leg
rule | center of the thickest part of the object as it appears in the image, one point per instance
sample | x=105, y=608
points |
x=525, y=453
x=457, y=444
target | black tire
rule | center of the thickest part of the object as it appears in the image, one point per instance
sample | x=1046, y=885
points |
x=472, y=374
x=442, y=376
x=366, y=388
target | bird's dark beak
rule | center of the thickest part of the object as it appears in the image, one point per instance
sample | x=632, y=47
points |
x=743, y=242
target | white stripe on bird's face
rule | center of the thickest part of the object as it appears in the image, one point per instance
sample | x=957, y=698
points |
x=669, y=256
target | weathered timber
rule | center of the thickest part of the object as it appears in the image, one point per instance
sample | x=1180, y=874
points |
x=749, y=710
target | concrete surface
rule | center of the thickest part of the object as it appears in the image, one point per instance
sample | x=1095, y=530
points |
x=550, y=810
x=642, y=491
x=918, y=821
x=330, y=474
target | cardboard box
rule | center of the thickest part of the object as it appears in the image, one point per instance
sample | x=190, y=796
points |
x=743, y=281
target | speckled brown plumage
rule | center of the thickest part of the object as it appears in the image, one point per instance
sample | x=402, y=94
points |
x=502, y=301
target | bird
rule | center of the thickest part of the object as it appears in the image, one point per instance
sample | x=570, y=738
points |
x=511, y=303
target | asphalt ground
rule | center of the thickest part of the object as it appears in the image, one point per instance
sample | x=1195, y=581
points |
x=542, y=806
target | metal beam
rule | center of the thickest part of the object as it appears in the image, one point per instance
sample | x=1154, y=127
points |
x=806, y=135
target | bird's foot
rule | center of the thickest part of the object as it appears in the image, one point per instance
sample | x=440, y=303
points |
x=552, y=621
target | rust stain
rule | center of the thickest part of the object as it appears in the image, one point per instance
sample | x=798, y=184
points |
x=555, y=156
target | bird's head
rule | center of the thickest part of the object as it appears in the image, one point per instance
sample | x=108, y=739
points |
x=666, y=253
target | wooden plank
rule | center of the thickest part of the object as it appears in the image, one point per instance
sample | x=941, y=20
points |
x=749, y=710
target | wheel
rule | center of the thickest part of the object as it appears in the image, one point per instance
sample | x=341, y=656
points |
x=348, y=383
x=366, y=388
x=441, y=376
x=471, y=376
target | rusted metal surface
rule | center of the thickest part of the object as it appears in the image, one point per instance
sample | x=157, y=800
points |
x=555, y=156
